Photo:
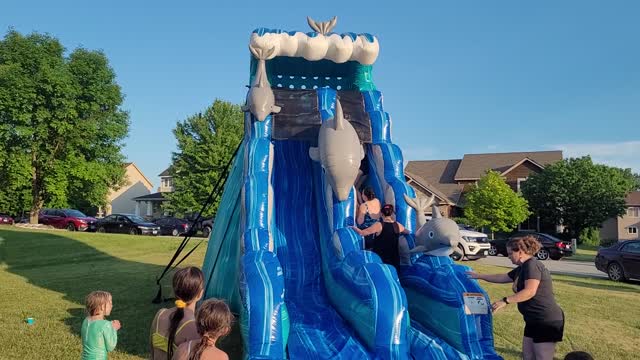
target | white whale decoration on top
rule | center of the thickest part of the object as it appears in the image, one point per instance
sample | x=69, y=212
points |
x=322, y=45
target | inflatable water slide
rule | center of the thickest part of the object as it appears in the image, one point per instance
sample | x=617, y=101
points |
x=283, y=252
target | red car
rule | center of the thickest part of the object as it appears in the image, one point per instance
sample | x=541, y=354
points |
x=6, y=219
x=69, y=219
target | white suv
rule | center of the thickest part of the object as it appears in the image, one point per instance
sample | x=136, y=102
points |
x=473, y=245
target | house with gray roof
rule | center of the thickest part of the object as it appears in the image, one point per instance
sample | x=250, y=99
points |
x=446, y=179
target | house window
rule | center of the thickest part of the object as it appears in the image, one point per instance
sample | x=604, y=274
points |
x=632, y=230
x=520, y=181
x=167, y=182
x=633, y=212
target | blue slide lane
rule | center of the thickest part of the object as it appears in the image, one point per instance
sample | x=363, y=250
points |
x=434, y=286
x=317, y=330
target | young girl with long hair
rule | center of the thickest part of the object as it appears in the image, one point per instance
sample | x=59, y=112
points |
x=213, y=321
x=172, y=327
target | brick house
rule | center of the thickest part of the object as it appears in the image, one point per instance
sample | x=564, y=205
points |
x=446, y=179
x=627, y=226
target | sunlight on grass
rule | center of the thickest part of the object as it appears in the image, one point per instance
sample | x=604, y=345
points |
x=47, y=274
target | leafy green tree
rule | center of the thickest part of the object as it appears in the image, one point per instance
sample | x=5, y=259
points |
x=579, y=194
x=15, y=189
x=60, y=117
x=206, y=142
x=494, y=205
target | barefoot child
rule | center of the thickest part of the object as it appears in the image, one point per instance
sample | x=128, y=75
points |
x=99, y=336
x=213, y=321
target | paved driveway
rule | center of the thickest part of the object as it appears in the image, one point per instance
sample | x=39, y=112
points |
x=563, y=266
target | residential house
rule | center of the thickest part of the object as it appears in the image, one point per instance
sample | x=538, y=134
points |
x=446, y=179
x=150, y=205
x=122, y=200
x=627, y=226
x=166, y=181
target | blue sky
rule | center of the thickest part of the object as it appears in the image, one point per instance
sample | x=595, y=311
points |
x=457, y=76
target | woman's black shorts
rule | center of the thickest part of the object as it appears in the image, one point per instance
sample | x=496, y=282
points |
x=548, y=331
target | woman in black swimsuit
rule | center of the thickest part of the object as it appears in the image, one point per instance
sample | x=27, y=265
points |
x=368, y=214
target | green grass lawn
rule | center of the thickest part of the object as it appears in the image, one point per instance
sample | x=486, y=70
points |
x=585, y=253
x=47, y=274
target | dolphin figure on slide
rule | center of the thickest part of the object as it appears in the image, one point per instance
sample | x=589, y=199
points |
x=339, y=152
x=260, y=100
x=438, y=237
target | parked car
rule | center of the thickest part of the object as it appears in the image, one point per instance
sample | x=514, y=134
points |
x=552, y=247
x=473, y=245
x=203, y=226
x=620, y=261
x=6, y=219
x=172, y=226
x=69, y=219
x=127, y=224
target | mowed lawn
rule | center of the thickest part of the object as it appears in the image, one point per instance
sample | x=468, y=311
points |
x=47, y=274
x=585, y=253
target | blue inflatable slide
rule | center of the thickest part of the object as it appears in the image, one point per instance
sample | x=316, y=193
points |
x=283, y=252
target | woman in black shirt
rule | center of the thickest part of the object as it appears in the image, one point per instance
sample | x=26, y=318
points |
x=544, y=319
x=387, y=233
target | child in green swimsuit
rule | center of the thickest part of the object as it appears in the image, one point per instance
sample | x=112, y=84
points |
x=99, y=336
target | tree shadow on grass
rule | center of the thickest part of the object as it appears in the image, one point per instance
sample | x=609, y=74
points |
x=74, y=269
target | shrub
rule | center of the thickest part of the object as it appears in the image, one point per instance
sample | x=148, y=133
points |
x=590, y=236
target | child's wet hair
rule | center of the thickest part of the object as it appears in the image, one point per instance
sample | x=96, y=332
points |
x=213, y=321
x=97, y=301
x=578, y=355
x=188, y=283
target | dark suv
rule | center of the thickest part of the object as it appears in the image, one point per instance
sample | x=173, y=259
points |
x=552, y=247
x=69, y=219
x=203, y=226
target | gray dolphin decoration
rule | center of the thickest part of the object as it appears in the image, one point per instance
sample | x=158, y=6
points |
x=322, y=27
x=437, y=237
x=339, y=152
x=260, y=100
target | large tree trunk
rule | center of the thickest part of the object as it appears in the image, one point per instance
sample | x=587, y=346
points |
x=36, y=199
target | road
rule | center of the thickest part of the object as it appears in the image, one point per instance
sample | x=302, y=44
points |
x=563, y=266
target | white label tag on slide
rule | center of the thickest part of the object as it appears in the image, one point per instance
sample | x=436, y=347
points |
x=475, y=304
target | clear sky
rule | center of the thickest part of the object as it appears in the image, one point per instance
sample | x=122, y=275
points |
x=458, y=77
